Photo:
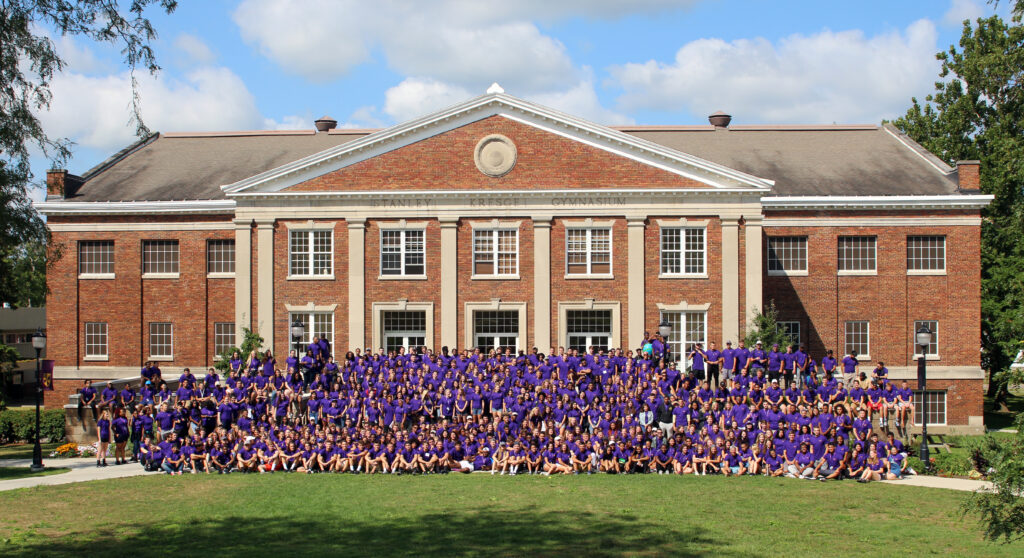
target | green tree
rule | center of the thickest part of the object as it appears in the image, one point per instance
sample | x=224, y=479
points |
x=251, y=341
x=977, y=112
x=765, y=328
x=28, y=62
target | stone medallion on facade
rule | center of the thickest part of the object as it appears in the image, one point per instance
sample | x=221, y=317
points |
x=495, y=155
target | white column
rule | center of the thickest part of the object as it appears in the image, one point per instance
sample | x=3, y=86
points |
x=356, y=283
x=730, y=279
x=542, y=283
x=243, y=277
x=752, y=232
x=635, y=225
x=449, y=283
x=265, y=281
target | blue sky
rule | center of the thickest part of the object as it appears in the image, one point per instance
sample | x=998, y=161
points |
x=279, y=64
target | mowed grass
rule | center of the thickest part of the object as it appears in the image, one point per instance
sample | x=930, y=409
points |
x=456, y=515
x=24, y=451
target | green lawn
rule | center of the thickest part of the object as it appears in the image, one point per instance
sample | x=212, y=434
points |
x=8, y=473
x=455, y=515
x=24, y=451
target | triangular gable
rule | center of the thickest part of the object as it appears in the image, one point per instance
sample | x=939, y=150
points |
x=648, y=163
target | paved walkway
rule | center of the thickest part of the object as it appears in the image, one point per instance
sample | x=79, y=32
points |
x=85, y=470
x=82, y=469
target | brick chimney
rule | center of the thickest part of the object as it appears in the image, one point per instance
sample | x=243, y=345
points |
x=55, y=182
x=968, y=175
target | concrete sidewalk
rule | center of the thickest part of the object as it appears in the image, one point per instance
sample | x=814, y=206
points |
x=82, y=469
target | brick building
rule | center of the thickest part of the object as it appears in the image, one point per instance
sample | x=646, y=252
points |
x=498, y=222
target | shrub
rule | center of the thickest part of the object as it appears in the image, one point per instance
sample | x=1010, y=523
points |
x=952, y=464
x=19, y=425
x=916, y=464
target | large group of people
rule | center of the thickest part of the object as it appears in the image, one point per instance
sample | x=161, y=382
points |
x=736, y=411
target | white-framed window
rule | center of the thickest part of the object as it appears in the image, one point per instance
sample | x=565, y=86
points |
x=96, y=340
x=161, y=339
x=159, y=257
x=787, y=254
x=857, y=254
x=932, y=400
x=588, y=328
x=96, y=257
x=220, y=256
x=933, y=348
x=402, y=252
x=496, y=252
x=858, y=338
x=688, y=329
x=496, y=329
x=926, y=253
x=223, y=336
x=322, y=327
x=790, y=329
x=683, y=251
x=311, y=253
x=588, y=251
x=404, y=329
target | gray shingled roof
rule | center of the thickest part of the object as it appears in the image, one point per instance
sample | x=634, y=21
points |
x=22, y=319
x=807, y=161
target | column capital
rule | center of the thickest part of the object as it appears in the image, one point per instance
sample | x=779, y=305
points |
x=265, y=224
x=242, y=223
x=636, y=219
x=448, y=221
x=542, y=221
x=356, y=222
x=730, y=220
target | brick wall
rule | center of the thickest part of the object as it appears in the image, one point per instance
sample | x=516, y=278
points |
x=544, y=161
x=891, y=300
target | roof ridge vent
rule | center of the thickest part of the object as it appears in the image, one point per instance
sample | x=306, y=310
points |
x=325, y=123
x=720, y=119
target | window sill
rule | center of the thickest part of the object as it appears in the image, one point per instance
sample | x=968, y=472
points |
x=160, y=275
x=160, y=358
x=927, y=358
x=220, y=275
x=589, y=276
x=495, y=277
x=862, y=358
x=926, y=272
x=310, y=278
x=402, y=277
x=793, y=273
x=858, y=273
x=95, y=275
x=682, y=276
x=96, y=358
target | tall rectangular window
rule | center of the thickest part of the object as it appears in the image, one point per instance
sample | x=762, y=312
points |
x=220, y=256
x=858, y=337
x=787, y=253
x=161, y=339
x=926, y=253
x=933, y=402
x=496, y=329
x=159, y=256
x=588, y=251
x=311, y=253
x=857, y=253
x=405, y=329
x=791, y=329
x=588, y=328
x=316, y=324
x=933, y=347
x=223, y=336
x=688, y=329
x=496, y=252
x=683, y=251
x=96, y=339
x=402, y=252
x=96, y=257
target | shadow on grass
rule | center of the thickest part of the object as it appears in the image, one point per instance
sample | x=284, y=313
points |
x=467, y=532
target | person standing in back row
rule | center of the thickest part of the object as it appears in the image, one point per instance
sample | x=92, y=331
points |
x=728, y=362
x=713, y=364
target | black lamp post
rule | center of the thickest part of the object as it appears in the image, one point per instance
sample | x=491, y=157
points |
x=298, y=330
x=38, y=343
x=665, y=329
x=923, y=339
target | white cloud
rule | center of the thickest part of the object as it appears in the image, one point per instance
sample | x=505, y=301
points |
x=289, y=122
x=825, y=77
x=581, y=101
x=93, y=111
x=959, y=10
x=415, y=97
x=194, y=50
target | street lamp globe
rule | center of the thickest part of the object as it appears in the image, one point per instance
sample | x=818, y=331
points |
x=665, y=328
x=298, y=329
x=39, y=340
x=924, y=336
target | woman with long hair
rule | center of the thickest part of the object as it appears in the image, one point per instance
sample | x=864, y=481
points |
x=103, y=435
